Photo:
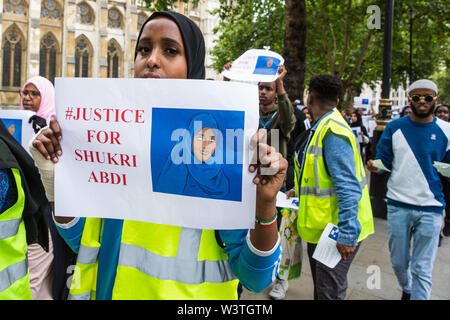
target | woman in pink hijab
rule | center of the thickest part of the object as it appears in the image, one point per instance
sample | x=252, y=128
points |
x=38, y=95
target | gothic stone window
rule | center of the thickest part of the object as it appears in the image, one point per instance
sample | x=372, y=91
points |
x=140, y=20
x=83, y=58
x=15, y=6
x=47, y=57
x=50, y=10
x=113, y=60
x=13, y=44
x=85, y=15
x=114, y=19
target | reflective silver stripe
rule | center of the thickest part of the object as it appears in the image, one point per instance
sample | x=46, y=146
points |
x=318, y=151
x=323, y=193
x=363, y=182
x=9, y=228
x=83, y=296
x=12, y=273
x=183, y=268
x=341, y=124
x=87, y=255
x=315, y=150
x=189, y=244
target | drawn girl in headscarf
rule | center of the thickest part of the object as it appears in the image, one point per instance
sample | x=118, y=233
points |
x=195, y=165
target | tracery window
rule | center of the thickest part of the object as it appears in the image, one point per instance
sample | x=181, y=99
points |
x=114, y=19
x=114, y=58
x=15, y=6
x=85, y=15
x=140, y=20
x=50, y=9
x=13, y=44
x=83, y=58
x=48, y=57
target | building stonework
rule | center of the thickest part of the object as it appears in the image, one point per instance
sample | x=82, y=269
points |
x=78, y=38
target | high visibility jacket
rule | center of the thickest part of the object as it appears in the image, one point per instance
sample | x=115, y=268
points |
x=156, y=262
x=318, y=202
x=14, y=274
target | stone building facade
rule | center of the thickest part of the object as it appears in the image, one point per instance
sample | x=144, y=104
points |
x=78, y=38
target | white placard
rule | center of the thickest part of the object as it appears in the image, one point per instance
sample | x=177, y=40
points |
x=282, y=202
x=442, y=168
x=361, y=102
x=326, y=251
x=127, y=151
x=356, y=131
x=379, y=164
x=16, y=122
x=255, y=65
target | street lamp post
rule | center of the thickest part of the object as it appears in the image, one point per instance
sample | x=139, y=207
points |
x=378, y=182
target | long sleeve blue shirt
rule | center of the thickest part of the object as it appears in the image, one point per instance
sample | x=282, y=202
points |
x=411, y=148
x=340, y=164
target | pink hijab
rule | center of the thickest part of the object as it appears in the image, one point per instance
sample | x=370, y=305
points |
x=47, y=91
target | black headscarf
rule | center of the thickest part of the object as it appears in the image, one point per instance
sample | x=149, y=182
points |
x=194, y=44
x=359, y=123
x=13, y=155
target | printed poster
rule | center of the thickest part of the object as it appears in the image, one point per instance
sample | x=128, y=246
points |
x=16, y=122
x=255, y=65
x=166, y=151
x=356, y=131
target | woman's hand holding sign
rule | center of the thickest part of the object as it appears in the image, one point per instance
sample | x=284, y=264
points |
x=47, y=141
x=270, y=168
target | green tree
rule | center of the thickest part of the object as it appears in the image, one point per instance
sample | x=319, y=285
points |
x=338, y=40
x=247, y=24
x=430, y=39
x=294, y=51
x=442, y=80
x=164, y=5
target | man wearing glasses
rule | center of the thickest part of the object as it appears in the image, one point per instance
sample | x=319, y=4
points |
x=415, y=200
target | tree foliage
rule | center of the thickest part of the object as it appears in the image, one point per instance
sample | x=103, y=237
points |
x=442, y=80
x=245, y=25
x=338, y=39
x=164, y=5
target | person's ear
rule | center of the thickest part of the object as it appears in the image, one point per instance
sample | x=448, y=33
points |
x=309, y=99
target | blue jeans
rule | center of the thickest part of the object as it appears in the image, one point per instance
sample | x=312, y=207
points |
x=413, y=271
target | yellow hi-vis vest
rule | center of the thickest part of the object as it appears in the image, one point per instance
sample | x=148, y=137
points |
x=318, y=203
x=14, y=275
x=156, y=262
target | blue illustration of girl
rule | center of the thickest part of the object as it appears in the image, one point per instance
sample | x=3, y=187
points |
x=195, y=165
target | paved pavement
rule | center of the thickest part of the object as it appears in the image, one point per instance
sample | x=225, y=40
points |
x=372, y=257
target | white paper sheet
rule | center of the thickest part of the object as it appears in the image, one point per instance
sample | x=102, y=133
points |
x=112, y=163
x=356, y=131
x=282, y=202
x=379, y=164
x=16, y=122
x=326, y=251
x=442, y=168
x=255, y=65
